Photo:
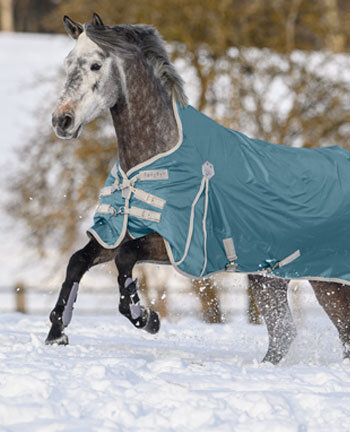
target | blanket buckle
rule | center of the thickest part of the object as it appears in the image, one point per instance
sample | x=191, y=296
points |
x=231, y=267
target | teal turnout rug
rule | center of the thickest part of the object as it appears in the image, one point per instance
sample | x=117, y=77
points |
x=222, y=201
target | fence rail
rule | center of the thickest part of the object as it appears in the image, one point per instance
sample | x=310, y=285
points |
x=104, y=300
x=180, y=300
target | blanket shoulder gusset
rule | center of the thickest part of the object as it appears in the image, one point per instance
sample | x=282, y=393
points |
x=271, y=200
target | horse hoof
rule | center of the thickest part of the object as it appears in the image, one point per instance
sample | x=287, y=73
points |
x=61, y=340
x=153, y=322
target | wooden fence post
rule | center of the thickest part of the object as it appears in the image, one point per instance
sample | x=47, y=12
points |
x=7, y=15
x=160, y=303
x=20, y=298
x=209, y=298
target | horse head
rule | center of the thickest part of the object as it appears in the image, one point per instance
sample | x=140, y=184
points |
x=93, y=83
x=96, y=71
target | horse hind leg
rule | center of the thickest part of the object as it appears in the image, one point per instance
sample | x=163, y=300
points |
x=148, y=248
x=335, y=300
x=270, y=294
x=78, y=265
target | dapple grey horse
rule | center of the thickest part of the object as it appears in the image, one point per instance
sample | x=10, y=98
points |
x=126, y=69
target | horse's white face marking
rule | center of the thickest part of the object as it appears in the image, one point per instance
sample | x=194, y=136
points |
x=89, y=88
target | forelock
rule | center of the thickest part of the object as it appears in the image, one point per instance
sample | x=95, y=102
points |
x=86, y=45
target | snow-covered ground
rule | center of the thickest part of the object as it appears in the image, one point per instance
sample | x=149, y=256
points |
x=189, y=377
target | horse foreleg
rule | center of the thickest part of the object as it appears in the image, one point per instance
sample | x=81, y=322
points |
x=271, y=298
x=78, y=265
x=335, y=300
x=148, y=248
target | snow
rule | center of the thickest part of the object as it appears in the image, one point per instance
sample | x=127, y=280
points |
x=189, y=377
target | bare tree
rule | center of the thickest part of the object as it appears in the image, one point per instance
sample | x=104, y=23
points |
x=7, y=15
x=335, y=40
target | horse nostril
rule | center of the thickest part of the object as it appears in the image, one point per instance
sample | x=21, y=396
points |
x=65, y=121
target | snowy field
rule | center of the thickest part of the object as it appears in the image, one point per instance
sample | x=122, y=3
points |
x=189, y=377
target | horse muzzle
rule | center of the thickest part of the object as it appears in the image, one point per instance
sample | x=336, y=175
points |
x=64, y=125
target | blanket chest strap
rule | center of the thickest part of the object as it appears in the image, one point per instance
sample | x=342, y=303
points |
x=141, y=213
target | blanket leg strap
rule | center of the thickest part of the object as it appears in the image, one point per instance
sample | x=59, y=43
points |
x=287, y=260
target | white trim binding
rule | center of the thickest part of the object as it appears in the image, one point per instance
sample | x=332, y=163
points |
x=94, y=234
x=114, y=171
x=262, y=272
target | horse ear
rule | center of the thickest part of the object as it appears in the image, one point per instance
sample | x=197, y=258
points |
x=73, y=29
x=96, y=20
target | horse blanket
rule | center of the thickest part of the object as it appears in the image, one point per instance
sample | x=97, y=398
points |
x=222, y=201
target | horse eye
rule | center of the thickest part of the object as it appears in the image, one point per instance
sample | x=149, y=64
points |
x=95, y=67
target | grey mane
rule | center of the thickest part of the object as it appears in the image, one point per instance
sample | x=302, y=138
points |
x=130, y=40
